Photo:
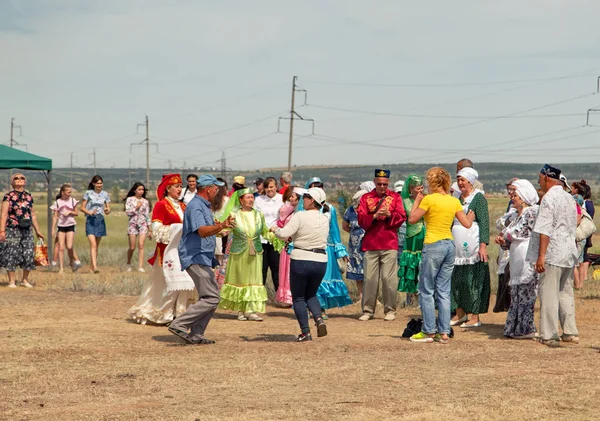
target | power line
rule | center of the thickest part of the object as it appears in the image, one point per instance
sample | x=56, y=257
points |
x=240, y=126
x=434, y=116
x=447, y=85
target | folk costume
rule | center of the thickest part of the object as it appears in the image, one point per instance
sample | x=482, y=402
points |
x=471, y=276
x=333, y=291
x=168, y=289
x=410, y=259
x=380, y=245
x=243, y=290
x=284, y=293
x=523, y=277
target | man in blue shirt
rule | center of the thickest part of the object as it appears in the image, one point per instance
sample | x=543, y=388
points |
x=197, y=257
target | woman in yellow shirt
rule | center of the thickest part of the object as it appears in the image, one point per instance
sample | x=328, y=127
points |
x=439, y=210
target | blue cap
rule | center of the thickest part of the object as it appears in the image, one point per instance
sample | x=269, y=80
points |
x=382, y=173
x=209, y=180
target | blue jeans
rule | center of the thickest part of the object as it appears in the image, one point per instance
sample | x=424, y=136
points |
x=305, y=278
x=435, y=274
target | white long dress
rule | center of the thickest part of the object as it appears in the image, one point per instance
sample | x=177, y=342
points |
x=168, y=291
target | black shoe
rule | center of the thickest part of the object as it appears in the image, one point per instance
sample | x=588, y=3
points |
x=321, y=328
x=182, y=334
x=200, y=340
x=303, y=337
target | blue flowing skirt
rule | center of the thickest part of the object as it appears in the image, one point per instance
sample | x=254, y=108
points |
x=333, y=291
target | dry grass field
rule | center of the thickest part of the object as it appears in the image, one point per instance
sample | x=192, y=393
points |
x=69, y=352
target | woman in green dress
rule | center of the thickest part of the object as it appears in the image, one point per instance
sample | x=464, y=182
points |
x=471, y=275
x=243, y=290
x=408, y=271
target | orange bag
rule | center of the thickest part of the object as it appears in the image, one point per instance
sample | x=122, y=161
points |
x=40, y=253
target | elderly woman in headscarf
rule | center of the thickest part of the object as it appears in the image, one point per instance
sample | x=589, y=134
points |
x=354, y=267
x=408, y=271
x=523, y=277
x=471, y=275
x=243, y=290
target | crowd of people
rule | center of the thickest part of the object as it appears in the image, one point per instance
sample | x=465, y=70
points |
x=222, y=243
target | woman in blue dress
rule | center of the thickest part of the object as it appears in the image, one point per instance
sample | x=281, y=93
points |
x=355, y=267
x=333, y=291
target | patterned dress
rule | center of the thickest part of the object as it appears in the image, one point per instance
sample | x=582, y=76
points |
x=139, y=218
x=471, y=277
x=17, y=249
x=523, y=277
x=284, y=293
x=355, y=268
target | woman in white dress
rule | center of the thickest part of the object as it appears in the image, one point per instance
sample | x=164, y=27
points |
x=168, y=290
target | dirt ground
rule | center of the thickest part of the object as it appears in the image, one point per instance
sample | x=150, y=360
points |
x=76, y=356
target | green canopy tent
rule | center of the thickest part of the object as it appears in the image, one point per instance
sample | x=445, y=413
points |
x=11, y=158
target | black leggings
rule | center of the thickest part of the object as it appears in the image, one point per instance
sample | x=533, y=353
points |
x=270, y=261
x=305, y=278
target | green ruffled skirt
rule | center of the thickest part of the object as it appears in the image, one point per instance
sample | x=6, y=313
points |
x=243, y=289
x=408, y=266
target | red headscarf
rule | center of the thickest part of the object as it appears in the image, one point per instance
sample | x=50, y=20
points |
x=167, y=180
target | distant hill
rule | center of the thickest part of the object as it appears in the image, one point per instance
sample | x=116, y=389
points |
x=493, y=175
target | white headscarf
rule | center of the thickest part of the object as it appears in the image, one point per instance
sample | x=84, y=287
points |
x=357, y=196
x=368, y=186
x=526, y=191
x=469, y=173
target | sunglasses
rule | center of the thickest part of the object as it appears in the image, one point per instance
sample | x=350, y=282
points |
x=19, y=178
x=383, y=184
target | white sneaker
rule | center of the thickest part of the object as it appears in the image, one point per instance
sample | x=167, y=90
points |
x=141, y=270
x=365, y=317
x=391, y=316
x=129, y=268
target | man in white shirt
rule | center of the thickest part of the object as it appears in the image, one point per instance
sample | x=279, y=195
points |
x=269, y=204
x=553, y=251
x=190, y=191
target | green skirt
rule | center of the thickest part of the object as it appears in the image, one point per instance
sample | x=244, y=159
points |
x=408, y=266
x=471, y=288
x=243, y=289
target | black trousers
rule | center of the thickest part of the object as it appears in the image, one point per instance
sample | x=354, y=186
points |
x=305, y=278
x=270, y=261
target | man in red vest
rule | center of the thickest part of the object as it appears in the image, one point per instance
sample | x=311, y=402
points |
x=380, y=214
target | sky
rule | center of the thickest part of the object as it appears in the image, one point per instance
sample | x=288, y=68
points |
x=386, y=81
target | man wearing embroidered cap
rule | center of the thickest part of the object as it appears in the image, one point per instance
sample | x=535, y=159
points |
x=380, y=214
x=554, y=252
x=197, y=257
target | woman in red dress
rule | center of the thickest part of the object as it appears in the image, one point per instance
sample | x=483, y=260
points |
x=168, y=290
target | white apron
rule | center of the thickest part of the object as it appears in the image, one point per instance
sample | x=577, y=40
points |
x=175, y=278
x=466, y=240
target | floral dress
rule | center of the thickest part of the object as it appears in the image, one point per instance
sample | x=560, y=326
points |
x=523, y=277
x=139, y=219
x=355, y=267
x=17, y=249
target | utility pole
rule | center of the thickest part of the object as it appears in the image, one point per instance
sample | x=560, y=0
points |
x=223, y=165
x=292, y=123
x=93, y=156
x=294, y=116
x=129, y=172
x=71, y=172
x=146, y=141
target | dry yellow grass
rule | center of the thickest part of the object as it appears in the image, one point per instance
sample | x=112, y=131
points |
x=76, y=356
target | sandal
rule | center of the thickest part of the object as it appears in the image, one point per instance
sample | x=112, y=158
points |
x=551, y=343
x=181, y=333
